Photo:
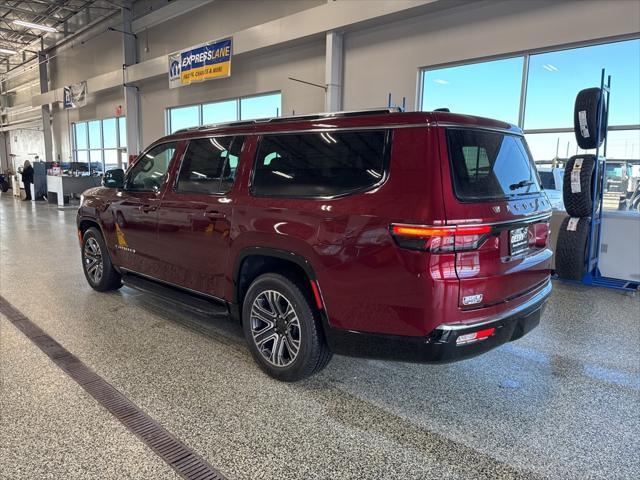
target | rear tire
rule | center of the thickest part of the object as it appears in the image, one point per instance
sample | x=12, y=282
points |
x=282, y=329
x=571, y=249
x=96, y=262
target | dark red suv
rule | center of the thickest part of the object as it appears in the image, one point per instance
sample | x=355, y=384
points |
x=408, y=236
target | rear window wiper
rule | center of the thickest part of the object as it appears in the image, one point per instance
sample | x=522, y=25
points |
x=520, y=184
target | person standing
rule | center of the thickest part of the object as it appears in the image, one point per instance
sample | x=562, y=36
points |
x=27, y=179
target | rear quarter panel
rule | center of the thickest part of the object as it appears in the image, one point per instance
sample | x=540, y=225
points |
x=367, y=283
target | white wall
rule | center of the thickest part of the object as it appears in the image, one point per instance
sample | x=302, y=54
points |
x=24, y=144
x=93, y=53
x=387, y=58
x=377, y=59
x=215, y=20
x=102, y=105
x=255, y=73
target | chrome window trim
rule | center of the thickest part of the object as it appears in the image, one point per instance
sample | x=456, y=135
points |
x=186, y=137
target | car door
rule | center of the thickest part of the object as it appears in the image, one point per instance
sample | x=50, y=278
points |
x=135, y=210
x=194, y=215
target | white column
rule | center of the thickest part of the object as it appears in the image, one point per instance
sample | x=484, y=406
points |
x=46, y=109
x=4, y=157
x=333, y=72
x=131, y=96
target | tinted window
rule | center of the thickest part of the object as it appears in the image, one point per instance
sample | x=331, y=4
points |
x=488, y=165
x=150, y=171
x=210, y=165
x=548, y=182
x=319, y=164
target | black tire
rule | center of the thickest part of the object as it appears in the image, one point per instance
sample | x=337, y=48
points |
x=578, y=202
x=94, y=248
x=312, y=355
x=4, y=187
x=571, y=249
x=585, y=118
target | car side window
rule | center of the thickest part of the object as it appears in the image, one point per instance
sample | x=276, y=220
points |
x=322, y=164
x=150, y=172
x=209, y=165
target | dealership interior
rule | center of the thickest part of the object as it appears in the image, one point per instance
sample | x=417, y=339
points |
x=319, y=239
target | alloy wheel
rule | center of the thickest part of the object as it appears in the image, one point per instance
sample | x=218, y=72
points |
x=275, y=328
x=93, y=262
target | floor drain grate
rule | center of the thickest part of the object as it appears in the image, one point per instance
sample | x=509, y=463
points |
x=180, y=457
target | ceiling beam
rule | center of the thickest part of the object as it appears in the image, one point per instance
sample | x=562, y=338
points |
x=17, y=32
x=4, y=43
x=60, y=5
x=30, y=12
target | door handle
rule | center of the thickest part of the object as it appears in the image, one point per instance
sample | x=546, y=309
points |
x=147, y=208
x=214, y=215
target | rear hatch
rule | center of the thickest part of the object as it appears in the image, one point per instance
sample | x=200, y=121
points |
x=490, y=182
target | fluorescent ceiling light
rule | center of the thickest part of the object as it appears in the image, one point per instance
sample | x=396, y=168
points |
x=440, y=81
x=36, y=26
x=550, y=68
x=217, y=144
x=328, y=138
x=276, y=172
x=8, y=51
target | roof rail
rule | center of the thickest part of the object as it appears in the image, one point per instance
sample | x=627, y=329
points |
x=311, y=116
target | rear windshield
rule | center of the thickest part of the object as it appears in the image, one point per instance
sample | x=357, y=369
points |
x=490, y=165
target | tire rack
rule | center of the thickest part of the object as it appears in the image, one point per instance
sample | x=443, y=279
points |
x=592, y=275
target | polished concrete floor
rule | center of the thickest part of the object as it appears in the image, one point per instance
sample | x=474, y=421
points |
x=563, y=402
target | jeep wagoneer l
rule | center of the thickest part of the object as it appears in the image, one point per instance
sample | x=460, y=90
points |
x=418, y=237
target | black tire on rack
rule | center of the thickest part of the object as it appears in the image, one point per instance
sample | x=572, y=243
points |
x=585, y=118
x=578, y=185
x=571, y=248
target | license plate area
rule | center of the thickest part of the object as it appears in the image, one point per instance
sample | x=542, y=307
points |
x=518, y=241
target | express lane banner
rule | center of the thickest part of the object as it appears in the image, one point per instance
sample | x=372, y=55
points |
x=204, y=62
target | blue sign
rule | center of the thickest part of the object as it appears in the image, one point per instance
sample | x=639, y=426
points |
x=204, y=62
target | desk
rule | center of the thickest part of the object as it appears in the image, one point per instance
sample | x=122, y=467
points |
x=63, y=186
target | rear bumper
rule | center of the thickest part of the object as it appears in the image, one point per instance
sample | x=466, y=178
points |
x=440, y=346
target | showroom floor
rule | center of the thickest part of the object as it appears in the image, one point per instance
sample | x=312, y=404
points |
x=563, y=402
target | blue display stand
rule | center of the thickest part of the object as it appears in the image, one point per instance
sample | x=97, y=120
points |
x=592, y=274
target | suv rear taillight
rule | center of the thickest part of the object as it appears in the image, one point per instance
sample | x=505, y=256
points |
x=440, y=239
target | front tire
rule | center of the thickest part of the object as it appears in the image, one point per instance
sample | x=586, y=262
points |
x=96, y=263
x=282, y=329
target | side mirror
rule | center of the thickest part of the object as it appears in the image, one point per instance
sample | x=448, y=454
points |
x=113, y=178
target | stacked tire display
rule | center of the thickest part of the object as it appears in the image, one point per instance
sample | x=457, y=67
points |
x=580, y=187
